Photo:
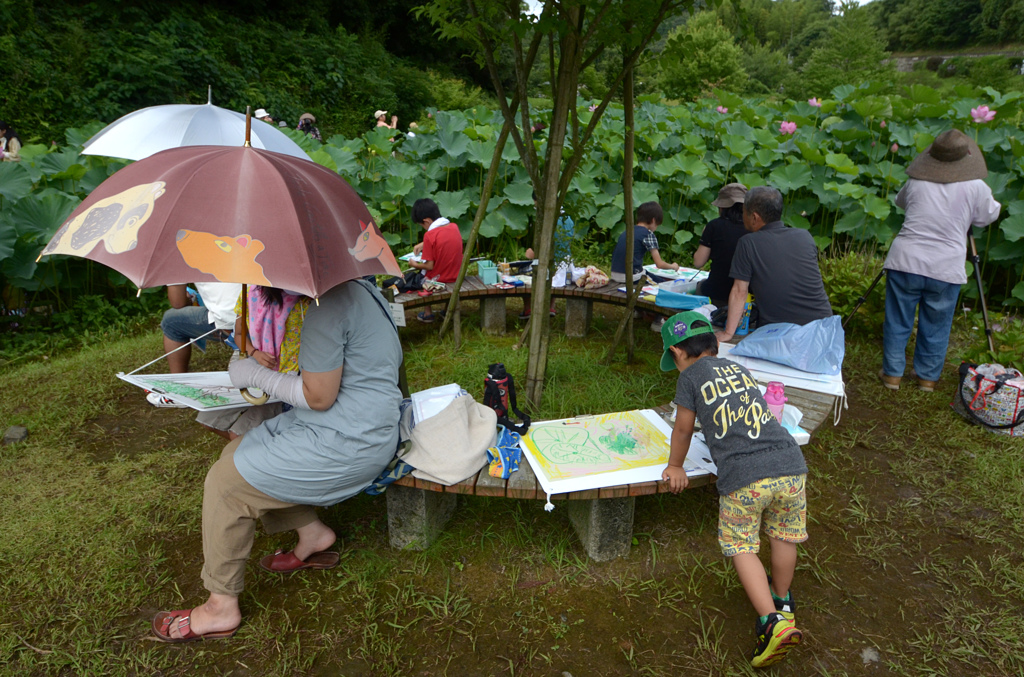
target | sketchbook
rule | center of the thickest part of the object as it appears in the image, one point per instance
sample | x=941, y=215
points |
x=202, y=391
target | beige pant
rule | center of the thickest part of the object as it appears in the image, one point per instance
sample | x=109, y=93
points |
x=231, y=507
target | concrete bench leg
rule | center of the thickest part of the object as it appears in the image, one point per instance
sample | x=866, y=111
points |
x=577, y=317
x=604, y=525
x=492, y=314
x=417, y=516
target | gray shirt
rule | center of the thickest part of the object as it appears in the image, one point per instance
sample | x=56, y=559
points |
x=323, y=457
x=933, y=239
x=781, y=265
x=747, y=443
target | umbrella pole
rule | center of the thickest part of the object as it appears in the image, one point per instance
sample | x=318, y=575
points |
x=248, y=126
x=243, y=348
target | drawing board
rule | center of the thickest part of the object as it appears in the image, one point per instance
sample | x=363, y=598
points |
x=202, y=391
x=606, y=450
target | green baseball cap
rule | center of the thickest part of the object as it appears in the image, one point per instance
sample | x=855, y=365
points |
x=678, y=328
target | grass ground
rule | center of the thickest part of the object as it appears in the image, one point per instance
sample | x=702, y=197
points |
x=913, y=567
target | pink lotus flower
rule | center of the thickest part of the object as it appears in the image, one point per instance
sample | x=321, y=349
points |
x=592, y=108
x=722, y=109
x=882, y=124
x=982, y=114
x=430, y=115
x=788, y=127
x=814, y=101
x=895, y=147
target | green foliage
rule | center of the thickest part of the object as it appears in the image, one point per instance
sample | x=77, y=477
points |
x=66, y=63
x=847, y=278
x=699, y=57
x=1007, y=337
x=852, y=51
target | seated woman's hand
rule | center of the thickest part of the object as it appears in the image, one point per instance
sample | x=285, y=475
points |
x=265, y=359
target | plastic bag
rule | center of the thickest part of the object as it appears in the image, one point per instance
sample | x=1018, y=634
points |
x=817, y=347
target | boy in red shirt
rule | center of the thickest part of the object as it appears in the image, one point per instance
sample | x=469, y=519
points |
x=441, y=249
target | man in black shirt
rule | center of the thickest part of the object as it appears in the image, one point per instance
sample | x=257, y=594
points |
x=777, y=264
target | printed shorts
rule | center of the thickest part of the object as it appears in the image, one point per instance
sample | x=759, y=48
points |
x=782, y=502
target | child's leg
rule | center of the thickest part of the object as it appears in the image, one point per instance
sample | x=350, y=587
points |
x=755, y=582
x=783, y=566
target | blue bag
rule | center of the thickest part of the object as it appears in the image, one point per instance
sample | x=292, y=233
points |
x=817, y=347
x=504, y=457
x=677, y=301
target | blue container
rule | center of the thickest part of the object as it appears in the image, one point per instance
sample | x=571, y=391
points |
x=488, y=272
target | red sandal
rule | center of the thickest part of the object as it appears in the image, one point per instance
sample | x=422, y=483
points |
x=164, y=620
x=282, y=562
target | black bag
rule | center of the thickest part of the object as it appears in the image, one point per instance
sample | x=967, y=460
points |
x=413, y=281
x=500, y=395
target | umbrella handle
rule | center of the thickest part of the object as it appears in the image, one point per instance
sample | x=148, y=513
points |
x=252, y=399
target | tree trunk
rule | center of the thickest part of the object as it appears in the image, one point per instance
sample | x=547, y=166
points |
x=481, y=211
x=627, y=201
x=564, y=91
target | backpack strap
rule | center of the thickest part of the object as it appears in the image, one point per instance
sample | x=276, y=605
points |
x=520, y=429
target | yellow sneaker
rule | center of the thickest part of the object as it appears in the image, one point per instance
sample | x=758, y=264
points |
x=774, y=640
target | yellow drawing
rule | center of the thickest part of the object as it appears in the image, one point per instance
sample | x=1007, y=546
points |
x=116, y=220
x=229, y=259
x=592, y=445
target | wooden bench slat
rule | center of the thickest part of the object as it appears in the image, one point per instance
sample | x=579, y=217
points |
x=467, y=486
x=620, y=491
x=406, y=481
x=428, y=485
x=586, y=495
x=489, y=486
x=523, y=482
x=643, y=488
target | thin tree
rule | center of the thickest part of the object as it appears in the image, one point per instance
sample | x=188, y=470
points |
x=577, y=32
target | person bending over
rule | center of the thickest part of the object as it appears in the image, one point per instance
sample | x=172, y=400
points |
x=761, y=474
x=649, y=216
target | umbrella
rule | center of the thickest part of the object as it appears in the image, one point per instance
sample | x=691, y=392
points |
x=151, y=130
x=219, y=214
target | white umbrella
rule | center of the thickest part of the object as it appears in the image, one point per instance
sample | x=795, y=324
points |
x=151, y=130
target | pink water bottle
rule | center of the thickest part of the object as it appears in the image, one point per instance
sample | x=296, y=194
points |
x=775, y=396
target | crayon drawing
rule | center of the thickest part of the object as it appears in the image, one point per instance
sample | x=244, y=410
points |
x=599, y=444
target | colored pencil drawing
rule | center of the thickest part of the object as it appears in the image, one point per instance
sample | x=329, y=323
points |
x=198, y=390
x=597, y=444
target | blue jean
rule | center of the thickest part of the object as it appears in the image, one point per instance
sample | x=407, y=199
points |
x=181, y=325
x=934, y=301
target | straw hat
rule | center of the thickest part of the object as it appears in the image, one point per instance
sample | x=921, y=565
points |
x=379, y=113
x=730, y=194
x=307, y=116
x=952, y=157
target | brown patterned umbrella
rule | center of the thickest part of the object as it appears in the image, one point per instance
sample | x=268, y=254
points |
x=220, y=214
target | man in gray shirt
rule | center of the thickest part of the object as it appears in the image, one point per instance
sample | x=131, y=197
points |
x=777, y=264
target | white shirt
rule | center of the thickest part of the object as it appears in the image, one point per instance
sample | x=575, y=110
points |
x=933, y=240
x=220, y=299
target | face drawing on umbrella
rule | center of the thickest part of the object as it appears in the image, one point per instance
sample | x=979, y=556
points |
x=116, y=220
x=229, y=259
x=370, y=245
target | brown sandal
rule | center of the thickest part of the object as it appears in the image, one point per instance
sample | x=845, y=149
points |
x=164, y=620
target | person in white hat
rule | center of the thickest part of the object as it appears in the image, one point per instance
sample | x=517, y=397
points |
x=943, y=198
x=382, y=119
x=262, y=114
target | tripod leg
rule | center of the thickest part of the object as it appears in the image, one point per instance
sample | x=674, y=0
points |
x=864, y=296
x=976, y=262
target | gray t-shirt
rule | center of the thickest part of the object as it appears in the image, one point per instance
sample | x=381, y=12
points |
x=746, y=442
x=323, y=457
x=781, y=265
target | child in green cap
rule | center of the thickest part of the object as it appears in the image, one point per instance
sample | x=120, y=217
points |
x=761, y=473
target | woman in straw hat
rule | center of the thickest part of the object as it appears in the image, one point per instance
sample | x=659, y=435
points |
x=943, y=198
x=718, y=243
